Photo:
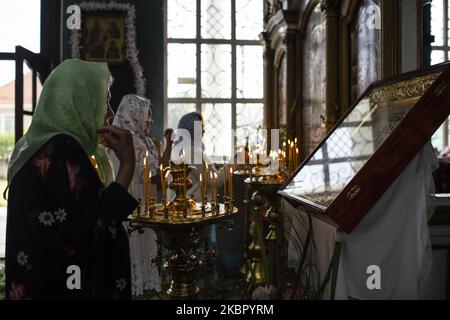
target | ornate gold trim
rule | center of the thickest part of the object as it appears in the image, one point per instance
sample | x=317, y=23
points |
x=411, y=88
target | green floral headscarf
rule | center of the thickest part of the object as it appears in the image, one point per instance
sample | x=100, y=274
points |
x=73, y=102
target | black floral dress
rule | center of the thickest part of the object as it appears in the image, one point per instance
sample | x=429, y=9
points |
x=65, y=237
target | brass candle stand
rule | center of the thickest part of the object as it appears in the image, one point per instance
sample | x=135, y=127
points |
x=181, y=226
x=265, y=201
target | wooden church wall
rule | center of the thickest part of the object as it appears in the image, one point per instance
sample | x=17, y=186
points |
x=333, y=49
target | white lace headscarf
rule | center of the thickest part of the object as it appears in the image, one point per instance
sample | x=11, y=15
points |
x=132, y=114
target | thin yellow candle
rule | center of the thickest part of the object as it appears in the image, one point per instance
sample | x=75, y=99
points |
x=289, y=158
x=149, y=186
x=231, y=182
x=292, y=156
x=211, y=185
x=205, y=176
x=215, y=188
x=201, y=188
x=165, y=188
x=162, y=179
x=184, y=177
x=224, y=180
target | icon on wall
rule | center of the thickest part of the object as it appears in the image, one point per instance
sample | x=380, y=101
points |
x=104, y=37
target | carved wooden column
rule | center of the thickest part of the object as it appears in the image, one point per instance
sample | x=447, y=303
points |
x=332, y=10
x=289, y=39
x=298, y=90
x=268, y=80
x=280, y=61
x=390, y=38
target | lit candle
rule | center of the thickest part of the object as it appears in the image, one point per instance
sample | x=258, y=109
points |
x=224, y=181
x=185, y=182
x=289, y=158
x=231, y=183
x=215, y=188
x=162, y=178
x=293, y=156
x=165, y=188
x=211, y=185
x=149, y=186
x=205, y=176
x=201, y=188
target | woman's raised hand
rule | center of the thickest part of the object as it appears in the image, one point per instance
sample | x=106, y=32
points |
x=121, y=141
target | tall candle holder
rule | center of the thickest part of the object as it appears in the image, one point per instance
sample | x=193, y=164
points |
x=180, y=205
x=181, y=226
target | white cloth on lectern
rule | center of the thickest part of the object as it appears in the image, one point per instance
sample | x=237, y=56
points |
x=394, y=235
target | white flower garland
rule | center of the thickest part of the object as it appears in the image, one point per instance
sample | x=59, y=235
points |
x=131, y=49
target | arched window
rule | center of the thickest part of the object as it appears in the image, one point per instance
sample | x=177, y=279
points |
x=365, y=47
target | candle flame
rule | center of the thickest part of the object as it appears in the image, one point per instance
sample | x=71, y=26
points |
x=201, y=178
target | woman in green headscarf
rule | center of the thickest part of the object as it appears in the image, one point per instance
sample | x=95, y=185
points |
x=64, y=234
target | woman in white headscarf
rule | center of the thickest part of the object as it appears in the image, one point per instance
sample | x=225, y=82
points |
x=135, y=114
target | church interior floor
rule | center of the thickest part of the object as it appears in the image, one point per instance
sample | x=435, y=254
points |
x=215, y=285
x=219, y=284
